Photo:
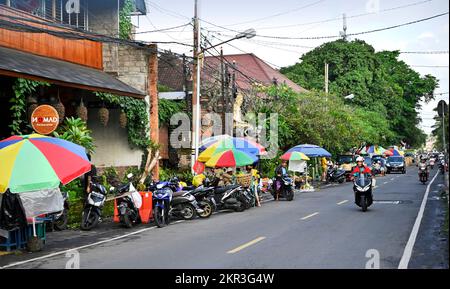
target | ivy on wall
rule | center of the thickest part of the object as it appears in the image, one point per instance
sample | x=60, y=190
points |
x=22, y=89
x=125, y=24
x=137, y=118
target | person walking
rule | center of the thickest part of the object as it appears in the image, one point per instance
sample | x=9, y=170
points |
x=254, y=183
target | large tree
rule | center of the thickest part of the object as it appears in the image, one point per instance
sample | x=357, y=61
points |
x=380, y=82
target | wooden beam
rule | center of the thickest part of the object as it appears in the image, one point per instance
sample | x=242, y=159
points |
x=67, y=84
x=153, y=94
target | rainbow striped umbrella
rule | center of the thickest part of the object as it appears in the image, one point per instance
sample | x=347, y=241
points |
x=231, y=158
x=294, y=156
x=241, y=143
x=225, y=145
x=36, y=162
x=374, y=149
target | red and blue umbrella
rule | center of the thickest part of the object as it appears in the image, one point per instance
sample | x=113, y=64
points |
x=310, y=150
x=36, y=162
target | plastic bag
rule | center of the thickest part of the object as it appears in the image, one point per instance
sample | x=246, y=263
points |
x=41, y=202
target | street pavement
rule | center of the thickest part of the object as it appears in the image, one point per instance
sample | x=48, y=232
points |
x=322, y=229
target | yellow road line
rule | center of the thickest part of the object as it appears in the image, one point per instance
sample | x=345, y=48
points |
x=235, y=250
x=343, y=202
x=309, y=216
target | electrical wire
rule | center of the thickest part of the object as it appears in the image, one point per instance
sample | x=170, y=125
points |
x=163, y=29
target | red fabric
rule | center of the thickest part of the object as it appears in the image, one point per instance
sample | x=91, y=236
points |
x=366, y=170
x=199, y=167
x=226, y=160
x=67, y=165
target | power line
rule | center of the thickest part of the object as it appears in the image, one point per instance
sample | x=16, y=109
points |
x=424, y=52
x=163, y=29
x=357, y=33
x=333, y=19
x=278, y=14
x=430, y=66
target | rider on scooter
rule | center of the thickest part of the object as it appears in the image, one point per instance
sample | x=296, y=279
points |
x=280, y=172
x=361, y=168
x=423, y=164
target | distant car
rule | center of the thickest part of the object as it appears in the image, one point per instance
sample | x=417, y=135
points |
x=395, y=164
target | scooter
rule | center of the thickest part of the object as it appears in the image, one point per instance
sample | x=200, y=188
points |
x=335, y=175
x=432, y=161
x=170, y=201
x=231, y=197
x=58, y=221
x=205, y=199
x=93, y=206
x=423, y=174
x=128, y=203
x=442, y=166
x=286, y=190
x=362, y=188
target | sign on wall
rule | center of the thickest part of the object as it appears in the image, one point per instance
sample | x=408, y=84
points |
x=45, y=119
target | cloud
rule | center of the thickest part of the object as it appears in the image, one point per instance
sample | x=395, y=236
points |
x=425, y=35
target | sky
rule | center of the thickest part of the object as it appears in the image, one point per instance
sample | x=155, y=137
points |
x=306, y=18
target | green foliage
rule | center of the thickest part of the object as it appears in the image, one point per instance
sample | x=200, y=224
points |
x=75, y=130
x=380, y=82
x=137, y=117
x=438, y=133
x=167, y=108
x=136, y=175
x=322, y=120
x=167, y=173
x=22, y=89
x=74, y=189
x=125, y=24
x=164, y=88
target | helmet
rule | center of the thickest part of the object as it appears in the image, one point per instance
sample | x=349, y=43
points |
x=360, y=159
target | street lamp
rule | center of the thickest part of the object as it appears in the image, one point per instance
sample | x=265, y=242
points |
x=249, y=33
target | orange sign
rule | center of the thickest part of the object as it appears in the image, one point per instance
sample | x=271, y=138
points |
x=45, y=119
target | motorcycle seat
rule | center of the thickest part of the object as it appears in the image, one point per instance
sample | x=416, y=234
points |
x=220, y=190
x=178, y=194
x=124, y=188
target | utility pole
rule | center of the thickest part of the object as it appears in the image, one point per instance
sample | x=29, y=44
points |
x=443, y=131
x=196, y=89
x=344, y=27
x=326, y=77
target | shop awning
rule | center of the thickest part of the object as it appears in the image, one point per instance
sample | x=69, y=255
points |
x=21, y=64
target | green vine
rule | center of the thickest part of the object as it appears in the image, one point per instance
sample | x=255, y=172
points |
x=167, y=108
x=137, y=118
x=125, y=24
x=22, y=88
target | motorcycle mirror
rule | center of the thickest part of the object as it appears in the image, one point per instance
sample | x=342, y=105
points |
x=130, y=175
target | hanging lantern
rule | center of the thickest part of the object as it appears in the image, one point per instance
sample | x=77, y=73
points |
x=60, y=109
x=123, y=119
x=103, y=115
x=82, y=111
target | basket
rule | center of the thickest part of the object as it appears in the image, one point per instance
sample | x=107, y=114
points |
x=244, y=180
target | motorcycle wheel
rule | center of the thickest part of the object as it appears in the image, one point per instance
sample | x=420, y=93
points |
x=289, y=194
x=363, y=203
x=207, y=210
x=341, y=180
x=125, y=220
x=89, y=219
x=159, y=217
x=189, y=212
x=61, y=223
x=240, y=208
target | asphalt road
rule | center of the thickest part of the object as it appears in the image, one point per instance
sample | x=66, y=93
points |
x=322, y=229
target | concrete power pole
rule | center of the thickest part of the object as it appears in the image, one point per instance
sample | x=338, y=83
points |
x=196, y=89
x=154, y=98
x=344, y=27
x=326, y=77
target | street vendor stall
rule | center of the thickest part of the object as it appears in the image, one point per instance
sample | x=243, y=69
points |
x=33, y=167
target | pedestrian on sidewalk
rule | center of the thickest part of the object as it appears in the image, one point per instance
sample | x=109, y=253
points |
x=254, y=183
x=88, y=177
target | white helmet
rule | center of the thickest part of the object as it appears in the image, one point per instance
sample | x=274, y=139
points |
x=360, y=159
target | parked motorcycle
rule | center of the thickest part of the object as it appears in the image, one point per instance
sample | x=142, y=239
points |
x=335, y=175
x=286, y=190
x=205, y=199
x=93, y=206
x=363, y=192
x=128, y=203
x=170, y=201
x=231, y=197
x=58, y=221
